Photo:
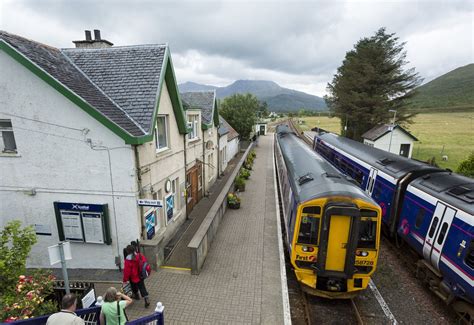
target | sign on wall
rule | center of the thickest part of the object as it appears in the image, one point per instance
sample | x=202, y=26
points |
x=150, y=222
x=82, y=222
x=169, y=207
x=150, y=203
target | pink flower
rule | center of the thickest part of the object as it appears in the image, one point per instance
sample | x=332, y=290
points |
x=29, y=295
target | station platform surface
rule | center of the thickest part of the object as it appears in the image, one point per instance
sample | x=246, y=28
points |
x=241, y=279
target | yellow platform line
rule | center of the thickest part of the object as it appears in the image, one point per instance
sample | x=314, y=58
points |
x=175, y=268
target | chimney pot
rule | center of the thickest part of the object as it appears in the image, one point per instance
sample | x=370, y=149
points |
x=88, y=35
x=97, y=34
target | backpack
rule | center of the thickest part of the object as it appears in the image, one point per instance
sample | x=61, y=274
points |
x=144, y=269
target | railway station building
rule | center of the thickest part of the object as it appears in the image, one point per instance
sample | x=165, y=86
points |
x=392, y=138
x=94, y=147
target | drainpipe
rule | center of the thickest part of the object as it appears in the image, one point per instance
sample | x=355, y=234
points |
x=218, y=155
x=139, y=184
x=203, y=163
x=185, y=174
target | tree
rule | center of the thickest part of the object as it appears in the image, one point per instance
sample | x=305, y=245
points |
x=370, y=82
x=240, y=110
x=466, y=167
x=263, y=110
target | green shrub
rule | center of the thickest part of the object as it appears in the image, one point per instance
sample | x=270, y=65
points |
x=244, y=173
x=239, y=183
x=466, y=167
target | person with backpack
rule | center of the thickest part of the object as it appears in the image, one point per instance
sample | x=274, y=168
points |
x=135, y=271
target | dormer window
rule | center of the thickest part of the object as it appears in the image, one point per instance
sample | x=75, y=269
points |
x=161, y=133
x=193, y=126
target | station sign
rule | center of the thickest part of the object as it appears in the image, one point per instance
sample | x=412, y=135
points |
x=150, y=203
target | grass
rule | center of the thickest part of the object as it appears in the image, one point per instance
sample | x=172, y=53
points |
x=438, y=134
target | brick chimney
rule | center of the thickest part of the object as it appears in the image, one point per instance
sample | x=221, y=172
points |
x=95, y=43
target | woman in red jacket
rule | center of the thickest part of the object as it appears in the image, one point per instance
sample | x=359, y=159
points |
x=131, y=272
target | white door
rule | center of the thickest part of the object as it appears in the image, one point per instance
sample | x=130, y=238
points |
x=437, y=232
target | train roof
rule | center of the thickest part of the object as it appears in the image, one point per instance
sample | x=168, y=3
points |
x=390, y=163
x=309, y=174
x=452, y=188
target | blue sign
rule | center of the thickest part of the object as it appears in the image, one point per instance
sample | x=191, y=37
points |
x=150, y=222
x=169, y=207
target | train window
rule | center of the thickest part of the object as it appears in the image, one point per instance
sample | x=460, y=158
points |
x=309, y=231
x=359, y=177
x=377, y=191
x=367, y=234
x=470, y=256
x=442, y=233
x=312, y=210
x=419, y=218
x=433, y=227
x=368, y=213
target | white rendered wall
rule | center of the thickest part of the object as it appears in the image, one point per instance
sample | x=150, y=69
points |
x=211, y=166
x=60, y=165
x=223, y=149
x=194, y=146
x=157, y=167
x=398, y=138
x=232, y=148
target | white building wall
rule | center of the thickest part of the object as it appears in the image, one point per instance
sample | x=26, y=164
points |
x=398, y=138
x=194, y=146
x=223, y=153
x=55, y=158
x=157, y=167
x=211, y=156
x=232, y=148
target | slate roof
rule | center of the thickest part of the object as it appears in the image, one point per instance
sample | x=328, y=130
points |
x=203, y=100
x=223, y=129
x=232, y=134
x=382, y=129
x=56, y=64
x=129, y=75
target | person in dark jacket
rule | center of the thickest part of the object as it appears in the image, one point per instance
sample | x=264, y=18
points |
x=131, y=273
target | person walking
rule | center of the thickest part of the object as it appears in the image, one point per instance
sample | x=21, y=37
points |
x=132, y=273
x=67, y=315
x=113, y=309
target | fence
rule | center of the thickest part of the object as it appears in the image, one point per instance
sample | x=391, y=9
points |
x=91, y=317
x=203, y=238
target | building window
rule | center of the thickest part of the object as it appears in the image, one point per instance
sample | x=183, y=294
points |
x=193, y=125
x=7, y=140
x=161, y=135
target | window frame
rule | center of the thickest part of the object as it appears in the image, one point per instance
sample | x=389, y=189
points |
x=157, y=140
x=7, y=129
x=193, y=124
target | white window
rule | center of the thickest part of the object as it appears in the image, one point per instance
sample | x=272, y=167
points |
x=193, y=125
x=161, y=135
x=7, y=138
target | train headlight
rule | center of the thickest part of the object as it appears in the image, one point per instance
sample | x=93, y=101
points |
x=362, y=253
x=308, y=249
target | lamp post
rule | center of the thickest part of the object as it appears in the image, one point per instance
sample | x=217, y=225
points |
x=392, y=126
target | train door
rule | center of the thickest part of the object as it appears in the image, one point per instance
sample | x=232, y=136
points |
x=437, y=232
x=371, y=181
x=338, y=238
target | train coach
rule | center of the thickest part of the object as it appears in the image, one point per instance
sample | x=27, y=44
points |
x=430, y=209
x=332, y=228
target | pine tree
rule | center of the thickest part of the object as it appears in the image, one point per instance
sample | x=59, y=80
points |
x=370, y=82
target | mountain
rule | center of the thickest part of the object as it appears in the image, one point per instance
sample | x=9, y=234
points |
x=454, y=89
x=279, y=99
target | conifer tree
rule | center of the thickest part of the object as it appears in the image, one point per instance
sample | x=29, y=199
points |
x=370, y=82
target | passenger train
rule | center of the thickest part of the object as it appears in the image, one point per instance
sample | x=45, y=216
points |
x=332, y=227
x=430, y=209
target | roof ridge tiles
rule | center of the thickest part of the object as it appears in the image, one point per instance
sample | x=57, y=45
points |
x=114, y=48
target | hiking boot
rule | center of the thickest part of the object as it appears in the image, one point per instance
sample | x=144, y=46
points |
x=147, y=302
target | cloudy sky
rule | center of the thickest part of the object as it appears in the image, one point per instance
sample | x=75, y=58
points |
x=296, y=43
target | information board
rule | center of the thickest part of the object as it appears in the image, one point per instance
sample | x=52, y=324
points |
x=82, y=222
x=150, y=223
x=169, y=207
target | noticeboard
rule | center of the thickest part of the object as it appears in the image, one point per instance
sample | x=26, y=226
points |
x=82, y=222
x=150, y=223
x=169, y=207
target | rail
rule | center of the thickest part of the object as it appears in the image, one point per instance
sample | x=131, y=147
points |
x=201, y=241
x=91, y=317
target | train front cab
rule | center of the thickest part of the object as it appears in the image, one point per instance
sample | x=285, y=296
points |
x=336, y=245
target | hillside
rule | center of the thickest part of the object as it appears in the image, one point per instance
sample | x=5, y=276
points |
x=279, y=99
x=454, y=89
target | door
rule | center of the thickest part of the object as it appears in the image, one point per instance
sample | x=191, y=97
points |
x=371, y=181
x=437, y=233
x=262, y=129
x=404, y=149
x=339, y=228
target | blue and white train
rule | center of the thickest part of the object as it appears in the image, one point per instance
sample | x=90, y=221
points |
x=430, y=209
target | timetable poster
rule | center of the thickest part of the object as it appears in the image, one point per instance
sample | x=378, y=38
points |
x=72, y=225
x=93, y=230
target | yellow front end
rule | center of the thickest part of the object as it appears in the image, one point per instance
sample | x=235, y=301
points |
x=334, y=254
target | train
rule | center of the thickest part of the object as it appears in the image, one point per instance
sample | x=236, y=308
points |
x=331, y=226
x=427, y=208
